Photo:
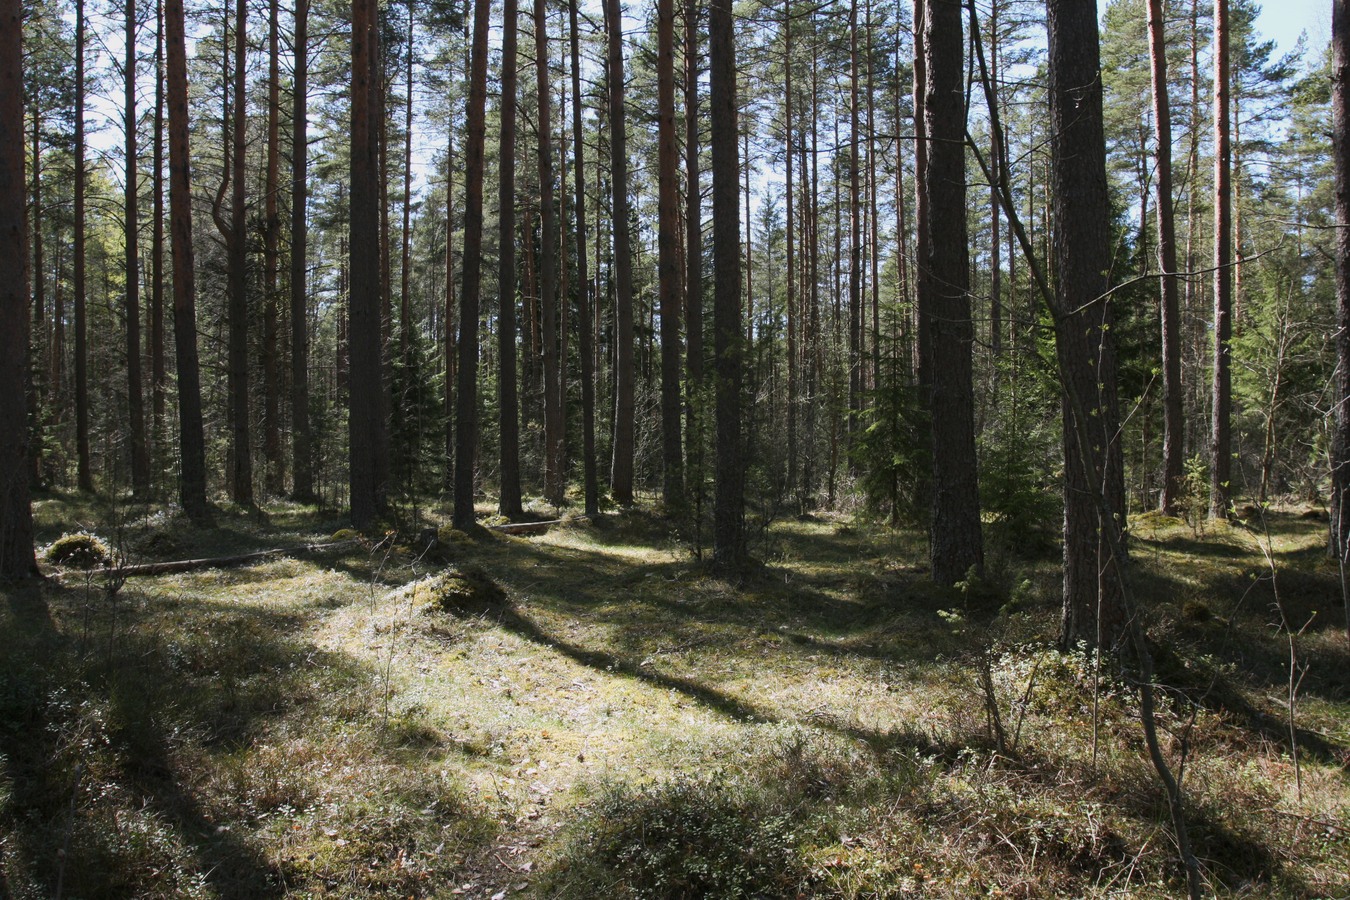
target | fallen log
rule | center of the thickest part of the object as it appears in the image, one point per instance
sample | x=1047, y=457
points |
x=220, y=562
x=530, y=527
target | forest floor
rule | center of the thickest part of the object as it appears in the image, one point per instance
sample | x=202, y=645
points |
x=589, y=713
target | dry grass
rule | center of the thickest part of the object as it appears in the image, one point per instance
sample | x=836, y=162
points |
x=587, y=713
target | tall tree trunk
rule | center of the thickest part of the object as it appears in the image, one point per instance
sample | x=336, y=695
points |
x=466, y=438
x=590, y=479
x=157, y=368
x=621, y=474
x=271, y=349
x=555, y=483
x=191, y=440
x=667, y=266
x=16, y=512
x=1173, y=427
x=1094, y=473
x=140, y=457
x=855, y=317
x=365, y=328
x=1220, y=443
x=448, y=337
x=38, y=368
x=955, y=546
x=693, y=255
x=922, y=352
x=509, y=502
x=302, y=439
x=1340, y=146
x=405, y=319
x=85, y=474
x=792, y=319
x=729, y=550
x=241, y=474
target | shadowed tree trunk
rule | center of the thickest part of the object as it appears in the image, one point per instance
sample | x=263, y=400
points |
x=157, y=371
x=302, y=439
x=365, y=330
x=1340, y=146
x=955, y=541
x=1220, y=442
x=271, y=349
x=1094, y=612
x=140, y=457
x=85, y=475
x=466, y=436
x=16, y=511
x=621, y=474
x=1173, y=425
x=693, y=254
x=241, y=472
x=508, y=395
x=667, y=266
x=729, y=550
x=191, y=443
x=585, y=347
x=554, y=477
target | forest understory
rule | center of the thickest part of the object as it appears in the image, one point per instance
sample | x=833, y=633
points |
x=588, y=712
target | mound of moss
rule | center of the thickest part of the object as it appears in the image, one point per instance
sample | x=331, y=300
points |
x=80, y=550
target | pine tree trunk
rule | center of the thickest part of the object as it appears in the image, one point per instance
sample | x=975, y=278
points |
x=405, y=319
x=621, y=474
x=555, y=483
x=585, y=347
x=729, y=551
x=16, y=512
x=956, y=545
x=1094, y=472
x=1173, y=427
x=792, y=323
x=1340, y=148
x=271, y=349
x=509, y=501
x=140, y=457
x=466, y=438
x=667, y=266
x=365, y=328
x=84, y=470
x=241, y=474
x=157, y=367
x=302, y=438
x=191, y=439
x=1220, y=442
x=695, y=414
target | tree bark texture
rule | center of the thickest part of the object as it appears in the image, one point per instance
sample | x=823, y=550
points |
x=140, y=457
x=191, y=439
x=365, y=323
x=1340, y=145
x=302, y=440
x=509, y=501
x=1093, y=610
x=466, y=401
x=729, y=550
x=667, y=265
x=1220, y=440
x=555, y=480
x=241, y=470
x=585, y=346
x=17, y=559
x=621, y=473
x=956, y=545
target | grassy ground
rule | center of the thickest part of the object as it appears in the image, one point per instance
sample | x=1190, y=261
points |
x=587, y=713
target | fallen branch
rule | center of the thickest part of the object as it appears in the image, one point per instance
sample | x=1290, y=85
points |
x=530, y=527
x=218, y=562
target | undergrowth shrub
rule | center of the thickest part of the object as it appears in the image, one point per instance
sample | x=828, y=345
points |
x=684, y=838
